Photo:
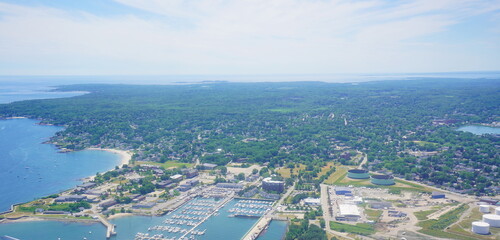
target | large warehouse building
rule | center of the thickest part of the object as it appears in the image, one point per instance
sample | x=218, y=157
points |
x=349, y=212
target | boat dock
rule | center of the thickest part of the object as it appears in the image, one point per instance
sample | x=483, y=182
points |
x=257, y=228
x=208, y=216
x=110, y=228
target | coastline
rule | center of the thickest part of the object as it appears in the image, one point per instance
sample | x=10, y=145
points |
x=125, y=156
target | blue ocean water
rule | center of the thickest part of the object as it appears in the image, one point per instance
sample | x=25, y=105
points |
x=30, y=169
x=18, y=91
x=53, y=230
x=276, y=231
x=479, y=130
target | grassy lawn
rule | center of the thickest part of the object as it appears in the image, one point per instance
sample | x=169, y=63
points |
x=325, y=169
x=422, y=215
x=436, y=228
x=337, y=175
x=373, y=214
x=360, y=228
x=340, y=178
x=463, y=227
x=167, y=164
x=285, y=172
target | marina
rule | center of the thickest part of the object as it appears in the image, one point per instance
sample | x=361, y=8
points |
x=187, y=222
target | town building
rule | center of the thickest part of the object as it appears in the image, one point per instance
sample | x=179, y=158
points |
x=230, y=185
x=312, y=201
x=70, y=198
x=208, y=166
x=176, y=178
x=165, y=183
x=184, y=187
x=193, y=182
x=272, y=185
x=190, y=173
x=108, y=203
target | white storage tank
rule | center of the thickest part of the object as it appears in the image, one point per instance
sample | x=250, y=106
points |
x=492, y=219
x=497, y=211
x=484, y=208
x=480, y=228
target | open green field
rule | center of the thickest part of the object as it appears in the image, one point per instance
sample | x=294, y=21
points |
x=360, y=228
x=422, y=215
x=167, y=164
x=340, y=178
x=337, y=175
x=436, y=228
x=463, y=227
x=373, y=214
x=325, y=169
x=285, y=172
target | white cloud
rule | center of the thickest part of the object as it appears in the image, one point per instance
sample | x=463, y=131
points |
x=240, y=37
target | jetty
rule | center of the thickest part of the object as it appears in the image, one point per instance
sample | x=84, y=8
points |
x=257, y=228
x=110, y=228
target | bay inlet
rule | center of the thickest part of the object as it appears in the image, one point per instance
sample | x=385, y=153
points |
x=30, y=169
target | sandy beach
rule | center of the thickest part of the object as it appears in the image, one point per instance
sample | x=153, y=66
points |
x=125, y=156
x=119, y=215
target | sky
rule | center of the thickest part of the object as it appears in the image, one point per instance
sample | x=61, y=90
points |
x=175, y=37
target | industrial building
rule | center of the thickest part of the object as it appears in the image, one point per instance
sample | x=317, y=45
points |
x=380, y=205
x=349, y=212
x=382, y=179
x=272, y=185
x=436, y=195
x=358, y=174
x=343, y=191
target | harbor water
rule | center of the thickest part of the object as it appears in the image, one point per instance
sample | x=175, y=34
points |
x=221, y=225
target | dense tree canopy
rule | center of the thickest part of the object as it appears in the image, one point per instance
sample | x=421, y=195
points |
x=281, y=123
